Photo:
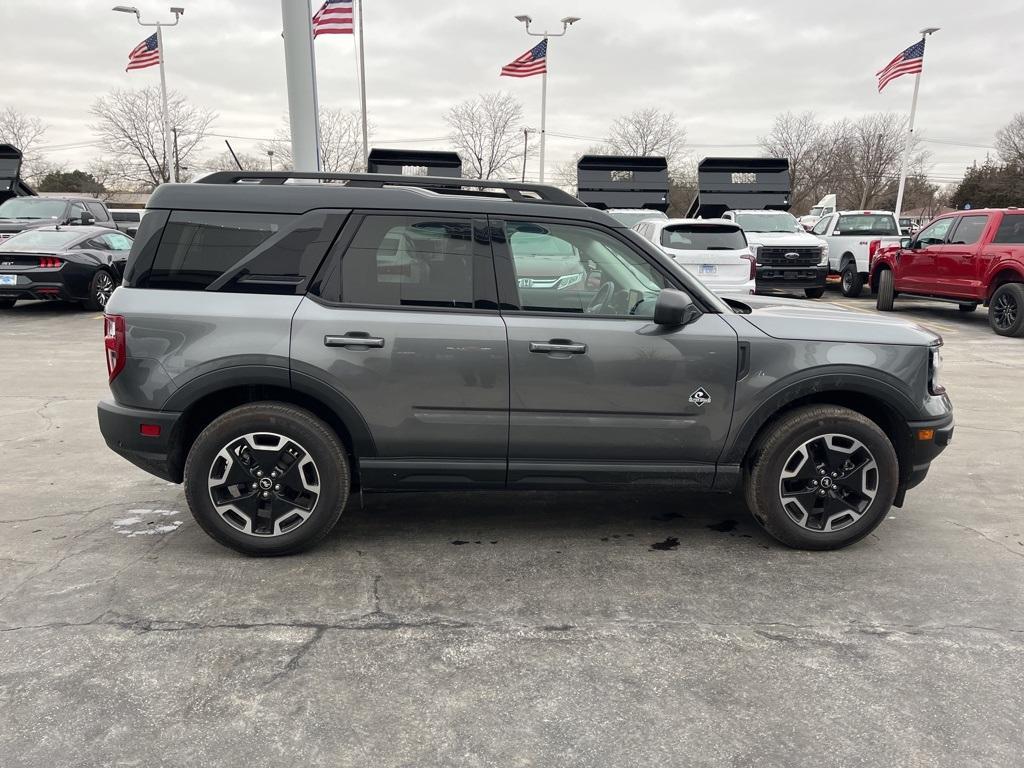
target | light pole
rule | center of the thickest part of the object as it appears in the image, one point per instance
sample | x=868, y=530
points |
x=910, y=129
x=177, y=11
x=567, y=22
x=270, y=154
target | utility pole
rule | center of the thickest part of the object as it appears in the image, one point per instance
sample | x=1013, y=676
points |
x=177, y=160
x=526, y=141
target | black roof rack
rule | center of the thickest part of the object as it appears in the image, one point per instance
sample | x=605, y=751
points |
x=515, y=191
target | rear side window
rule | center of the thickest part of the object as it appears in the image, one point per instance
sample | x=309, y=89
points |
x=1011, y=229
x=405, y=261
x=867, y=224
x=197, y=247
x=703, y=237
x=969, y=230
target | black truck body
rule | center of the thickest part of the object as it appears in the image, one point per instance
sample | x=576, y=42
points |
x=620, y=181
x=395, y=161
x=740, y=183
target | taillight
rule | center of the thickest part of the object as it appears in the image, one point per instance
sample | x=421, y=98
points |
x=114, y=343
x=753, y=264
x=49, y=262
x=872, y=249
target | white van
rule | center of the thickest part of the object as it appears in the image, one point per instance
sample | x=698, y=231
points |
x=825, y=207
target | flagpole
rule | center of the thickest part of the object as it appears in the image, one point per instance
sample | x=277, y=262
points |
x=171, y=175
x=544, y=110
x=362, y=86
x=908, y=145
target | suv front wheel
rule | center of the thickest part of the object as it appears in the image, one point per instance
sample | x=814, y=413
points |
x=267, y=479
x=823, y=478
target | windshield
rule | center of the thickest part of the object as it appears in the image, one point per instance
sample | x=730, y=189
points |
x=867, y=224
x=768, y=222
x=31, y=208
x=703, y=237
x=43, y=241
x=629, y=219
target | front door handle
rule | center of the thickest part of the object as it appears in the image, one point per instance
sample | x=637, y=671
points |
x=557, y=345
x=354, y=339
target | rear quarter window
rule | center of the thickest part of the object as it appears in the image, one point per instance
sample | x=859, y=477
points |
x=1011, y=229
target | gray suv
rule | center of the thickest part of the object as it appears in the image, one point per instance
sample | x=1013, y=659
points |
x=279, y=345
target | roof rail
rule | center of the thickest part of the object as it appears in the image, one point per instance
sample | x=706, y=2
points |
x=515, y=191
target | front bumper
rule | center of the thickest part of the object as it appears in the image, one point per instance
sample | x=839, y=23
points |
x=159, y=455
x=924, y=451
x=779, y=278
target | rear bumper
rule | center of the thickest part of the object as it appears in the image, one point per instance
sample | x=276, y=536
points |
x=158, y=455
x=44, y=284
x=744, y=288
x=772, y=278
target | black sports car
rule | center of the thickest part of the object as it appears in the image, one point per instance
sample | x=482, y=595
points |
x=82, y=264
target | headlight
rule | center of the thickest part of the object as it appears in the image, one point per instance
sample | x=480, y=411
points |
x=934, y=369
x=824, y=255
x=566, y=280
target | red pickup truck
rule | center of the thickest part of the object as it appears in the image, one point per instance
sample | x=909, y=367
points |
x=966, y=257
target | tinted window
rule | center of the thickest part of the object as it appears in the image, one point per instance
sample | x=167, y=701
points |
x=125, y=215
x=1011, y=229
x=565, y=268
x=404, y=261
x=867, y=224
x=197, y=247
x=97, y=210
x=703, y=237
x=969, y=230
x=935, y=233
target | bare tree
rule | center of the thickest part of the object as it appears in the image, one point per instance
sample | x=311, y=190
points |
x=129, y=127
x=1010, y=140
x=649, y=132
x=487, y=131
x=813, y=151
x=341, y=143
x=870, y=158
x=225, y=161
x=24, y=132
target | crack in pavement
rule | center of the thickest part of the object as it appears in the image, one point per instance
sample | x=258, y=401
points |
x=987, y=538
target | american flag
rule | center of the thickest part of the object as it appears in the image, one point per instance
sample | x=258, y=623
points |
x=533, y=62
x=334, y=18
x=145, y=54
x=909, y=62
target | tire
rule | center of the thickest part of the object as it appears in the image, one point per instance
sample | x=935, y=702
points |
x=1006, y=310
x=795, y=445
x=7, y=303
x=852, y=283
x=814, y=293
x=967, y=307
x=268, y=433
x=100, y=287
x=885, y=295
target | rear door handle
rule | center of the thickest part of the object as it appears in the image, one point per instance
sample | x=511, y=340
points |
x=354, y=339
x=555, y=345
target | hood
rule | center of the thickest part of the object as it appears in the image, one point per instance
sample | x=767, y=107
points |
x=816, y=321
x=782, y=238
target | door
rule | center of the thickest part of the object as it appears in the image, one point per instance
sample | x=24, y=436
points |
x=958, y=262
x=918, y=270
x=405, y=330
x=599, y=393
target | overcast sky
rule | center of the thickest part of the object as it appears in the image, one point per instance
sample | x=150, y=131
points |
x=725, y=69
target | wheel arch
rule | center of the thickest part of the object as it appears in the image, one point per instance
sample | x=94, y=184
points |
x=1003, y=274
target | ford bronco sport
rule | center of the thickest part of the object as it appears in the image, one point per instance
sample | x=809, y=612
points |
x=277, y=345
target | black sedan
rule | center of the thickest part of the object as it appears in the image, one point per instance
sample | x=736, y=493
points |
x=80, y=264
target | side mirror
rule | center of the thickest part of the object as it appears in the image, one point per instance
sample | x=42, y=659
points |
x=87, y=219
x=674, y=309
x=905, y=242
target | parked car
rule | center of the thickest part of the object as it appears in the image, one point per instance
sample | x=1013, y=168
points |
x=825, y=207
x=80, y=264
x=788, y=258
x=21, y=213
x=268, y=358
x=966, y=257
x=714, y=251
x=127, y=219
x=628, y=217
x=852, y=238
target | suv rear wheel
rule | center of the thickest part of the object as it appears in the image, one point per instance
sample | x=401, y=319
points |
x=1006, y=310
x=267, y=479
x=823, y=478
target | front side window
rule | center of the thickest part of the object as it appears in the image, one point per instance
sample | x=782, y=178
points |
x=98, y=211
x=969, y=230
x=407, y=261
x=703, y=237
x=822, y=226
x=577, y=270
x=934, y=234
x=1011, y=229
x=862, y=224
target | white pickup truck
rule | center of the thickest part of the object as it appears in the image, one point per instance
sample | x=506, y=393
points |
x=853, y=237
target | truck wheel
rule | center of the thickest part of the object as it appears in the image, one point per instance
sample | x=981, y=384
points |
x=1006, y=310
x=814, y=293
x=267, y=479
x=852, y=283
x=885, y=294
x=823, y=478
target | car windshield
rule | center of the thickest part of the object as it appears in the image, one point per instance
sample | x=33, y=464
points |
x=43, y=241
x=768, y=222
x=630, y=219
x=31, y=208
x=868, y=224
x=703, y=237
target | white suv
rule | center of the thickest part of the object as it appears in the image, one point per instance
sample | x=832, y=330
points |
x=715, y=251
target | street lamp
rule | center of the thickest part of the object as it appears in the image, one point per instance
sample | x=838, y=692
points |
x=566, y=22
x=178, y=11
